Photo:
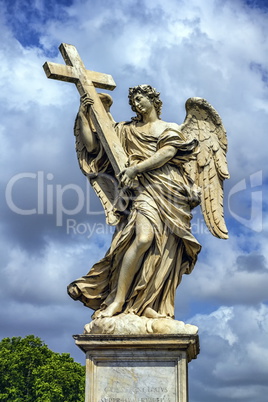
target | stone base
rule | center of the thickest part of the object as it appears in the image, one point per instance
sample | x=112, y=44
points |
x=137, y=368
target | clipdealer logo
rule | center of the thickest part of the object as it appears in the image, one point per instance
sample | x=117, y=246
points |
x=51, y=199
x=252, y=186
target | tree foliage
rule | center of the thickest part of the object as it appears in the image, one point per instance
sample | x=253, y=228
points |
x=31, y=372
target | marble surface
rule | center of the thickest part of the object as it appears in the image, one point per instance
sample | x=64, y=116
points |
x=141, y=368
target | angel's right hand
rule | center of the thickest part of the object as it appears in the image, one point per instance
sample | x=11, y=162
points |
x=85, y=103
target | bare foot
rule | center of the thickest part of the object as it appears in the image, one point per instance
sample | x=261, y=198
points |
x=110, y=311
x=150, y=313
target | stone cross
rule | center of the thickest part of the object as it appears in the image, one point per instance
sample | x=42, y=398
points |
x=86, y=81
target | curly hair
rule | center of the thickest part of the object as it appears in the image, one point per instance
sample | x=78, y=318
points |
x=150, y=93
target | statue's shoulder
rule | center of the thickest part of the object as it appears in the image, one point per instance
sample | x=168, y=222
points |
x=169, y=129
x=170, y=126
x=123, y=124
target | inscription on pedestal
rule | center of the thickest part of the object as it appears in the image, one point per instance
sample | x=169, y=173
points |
x=136, y=368
x=136, y=382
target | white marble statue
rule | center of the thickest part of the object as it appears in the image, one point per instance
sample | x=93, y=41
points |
x=170, y=169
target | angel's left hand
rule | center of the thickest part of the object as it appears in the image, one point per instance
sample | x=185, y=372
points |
x=127, y=175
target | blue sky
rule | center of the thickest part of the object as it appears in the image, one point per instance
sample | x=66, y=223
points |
x=51, y=235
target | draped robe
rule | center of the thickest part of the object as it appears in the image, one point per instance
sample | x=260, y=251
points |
x=165, y=196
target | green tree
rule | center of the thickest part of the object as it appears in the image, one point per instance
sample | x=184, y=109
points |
x=31, y=372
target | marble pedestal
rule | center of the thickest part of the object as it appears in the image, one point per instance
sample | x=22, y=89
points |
x=137, y=368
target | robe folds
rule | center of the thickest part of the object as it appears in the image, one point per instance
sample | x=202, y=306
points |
x=165, y=196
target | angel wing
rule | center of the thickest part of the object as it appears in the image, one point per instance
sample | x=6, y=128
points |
x=104, y=184
x=209, y=169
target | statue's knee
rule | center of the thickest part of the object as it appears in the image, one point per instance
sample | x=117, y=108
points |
x=144, y=240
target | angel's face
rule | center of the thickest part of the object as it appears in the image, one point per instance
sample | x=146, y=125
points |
x=142, y=103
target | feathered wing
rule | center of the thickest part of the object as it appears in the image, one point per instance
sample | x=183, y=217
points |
x=105, y=186
x=209, y=169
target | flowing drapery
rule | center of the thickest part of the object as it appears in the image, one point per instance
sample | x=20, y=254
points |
x=164, y=196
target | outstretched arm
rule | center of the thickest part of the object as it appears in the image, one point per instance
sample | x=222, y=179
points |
x=162, y=156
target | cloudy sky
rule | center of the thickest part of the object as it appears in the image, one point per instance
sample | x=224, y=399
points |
x=52, y=226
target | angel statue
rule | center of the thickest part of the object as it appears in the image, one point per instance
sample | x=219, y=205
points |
x=171, y=169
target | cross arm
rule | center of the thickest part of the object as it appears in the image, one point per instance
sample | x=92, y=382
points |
x=67, y=73
x=86, y=81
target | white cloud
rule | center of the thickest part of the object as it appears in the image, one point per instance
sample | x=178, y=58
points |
x=23, y=81
x=42, y=279
x=217, y=323
x=233, y=351
x=230, y=272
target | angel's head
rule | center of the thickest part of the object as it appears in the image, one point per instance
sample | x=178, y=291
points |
x=150, y=93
